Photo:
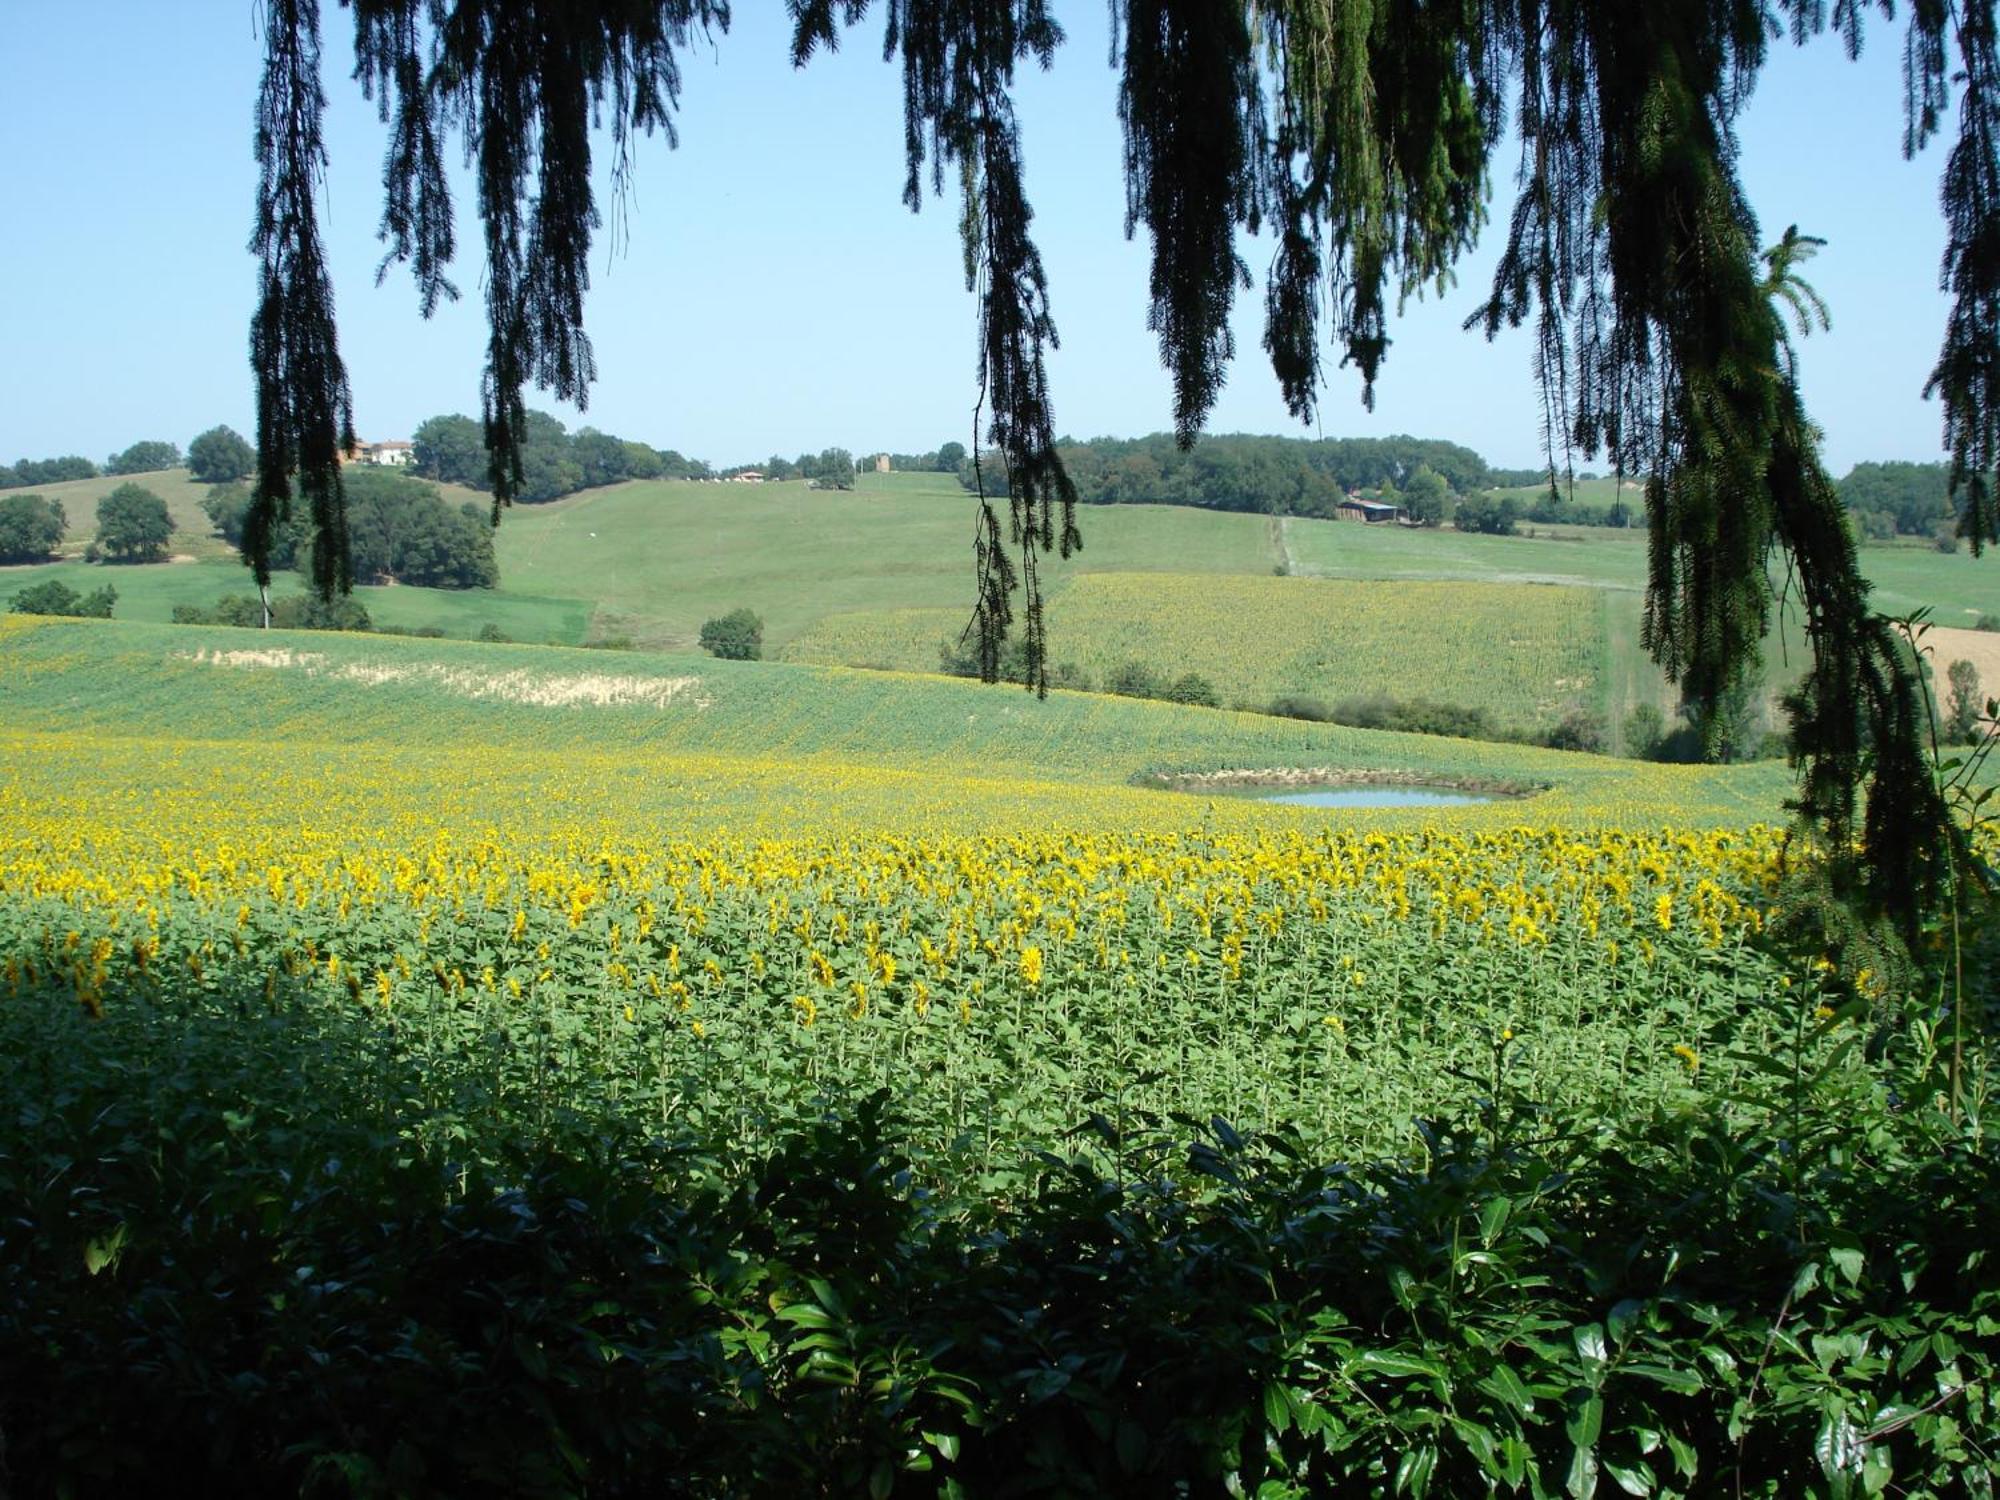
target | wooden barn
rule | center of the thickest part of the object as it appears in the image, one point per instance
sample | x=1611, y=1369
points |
x=1354, y=508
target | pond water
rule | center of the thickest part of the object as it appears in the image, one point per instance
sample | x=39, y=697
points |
x=1378, y=796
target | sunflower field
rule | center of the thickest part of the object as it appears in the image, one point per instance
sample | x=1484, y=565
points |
x=571, y=1120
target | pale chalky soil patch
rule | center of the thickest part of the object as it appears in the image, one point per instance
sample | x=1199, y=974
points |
x=1947, y=644
x=541, y=689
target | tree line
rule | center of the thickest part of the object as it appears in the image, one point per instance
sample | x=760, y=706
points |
x=1280, y=476
x=399, y=529
x=554, y=461
x=213, y=456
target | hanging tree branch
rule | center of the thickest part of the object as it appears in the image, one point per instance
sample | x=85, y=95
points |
x=1364, y=130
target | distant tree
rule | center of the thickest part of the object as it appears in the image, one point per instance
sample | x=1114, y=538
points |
x=227, y=506
x=1645, y=727
x=10, y=479
x=1579, y=729
x=1729, y=731
x=674, y=465
x=736, y=636
x=548, y=473
x=133, y=525
x=219, y=455
x=780, y=468
x=1898, y=498
x=829, y=469
x=144, y=458
x=57, y=598
x=1424, y=496
x=949, y=457
x=308, y=611
x=600, y=458
x=30, y=471
x=1964, y=706
x=1484, y=514
x=230, y=609
x=31, y=527
x=1134, y=679
x=451, y=449
x=224, y=505
x=1191, y=687
x=642, y=461
x=400, y=529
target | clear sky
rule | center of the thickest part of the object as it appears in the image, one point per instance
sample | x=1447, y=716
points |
x=773, y=294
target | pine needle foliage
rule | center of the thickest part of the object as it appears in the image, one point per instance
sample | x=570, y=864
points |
x=1363, y=131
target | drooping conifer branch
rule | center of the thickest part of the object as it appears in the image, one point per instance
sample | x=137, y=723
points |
x=305, y=416
x=1363, y=128
x=958, y=60
x=1967, y=375
x=1191, y=102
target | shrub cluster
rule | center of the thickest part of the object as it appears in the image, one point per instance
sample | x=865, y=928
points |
x=736, y=636
x=1579, y=729
x=57, y=598
x=399, y=529
x=286, y=1263
x=1131, y=678
x=288, y=612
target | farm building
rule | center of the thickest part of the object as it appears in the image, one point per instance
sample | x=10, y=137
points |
x=1354, y=508
x=396, y=453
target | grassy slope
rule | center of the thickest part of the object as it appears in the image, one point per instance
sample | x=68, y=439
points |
x=666, y=556
x=1255, y=638
x=193, y=536
x=659, y=558
x=804, y=732
x=149, y=593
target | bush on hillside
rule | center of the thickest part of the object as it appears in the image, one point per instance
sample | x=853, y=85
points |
x=1193, y=688
x=1299, y=706
x=1415, y=716
x=736, y=636
x=57, y=598
x=1645, y=727
x=1579, y=729
x=289, y=612
x=1134, y=679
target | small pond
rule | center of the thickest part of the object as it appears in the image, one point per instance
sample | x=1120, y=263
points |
x=1378, y=796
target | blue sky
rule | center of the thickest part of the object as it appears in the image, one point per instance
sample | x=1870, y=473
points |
x=773, y=294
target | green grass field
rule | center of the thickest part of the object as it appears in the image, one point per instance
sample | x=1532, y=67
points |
x=1527, y=653
x=878, y=577
x=659, y=558
x=932, y=738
